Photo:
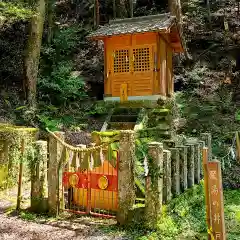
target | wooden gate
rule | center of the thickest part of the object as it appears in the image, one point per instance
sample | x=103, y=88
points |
x=92, y=191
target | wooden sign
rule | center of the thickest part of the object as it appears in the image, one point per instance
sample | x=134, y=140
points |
x=123, y=93
x=216, y=200
x=206, y=187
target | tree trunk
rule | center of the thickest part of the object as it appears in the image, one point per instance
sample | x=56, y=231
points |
x=33, y=52
x=50, y=20
x=131, y=8
x=175, y=9
x=96, y=14
x=114, y=9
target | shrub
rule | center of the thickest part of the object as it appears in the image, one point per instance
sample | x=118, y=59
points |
x=61, y=86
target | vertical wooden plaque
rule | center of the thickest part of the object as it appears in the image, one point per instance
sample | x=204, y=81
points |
x=216, y=200
x=123, y=93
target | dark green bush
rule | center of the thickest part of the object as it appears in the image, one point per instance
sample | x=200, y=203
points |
x=61, y=86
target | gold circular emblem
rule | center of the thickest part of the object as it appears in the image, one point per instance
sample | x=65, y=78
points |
x=103, y=182
x=73, y=180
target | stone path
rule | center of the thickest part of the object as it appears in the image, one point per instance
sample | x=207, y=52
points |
x=82, y=228
x=15, y=228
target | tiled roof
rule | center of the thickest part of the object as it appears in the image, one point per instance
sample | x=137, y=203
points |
x=151, y=23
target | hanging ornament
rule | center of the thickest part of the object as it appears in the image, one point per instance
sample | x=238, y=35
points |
x=66, y=162
x=74, y=160
x=145, y=163
x=101, y=156
x=78, y=159
x=70, y=157
x=91, y=163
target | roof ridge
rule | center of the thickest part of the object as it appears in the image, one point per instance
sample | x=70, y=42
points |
x=135, y=19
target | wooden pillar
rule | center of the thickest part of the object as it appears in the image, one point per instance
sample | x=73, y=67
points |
x=175, y=174
x=55, y=153
x=183, y=151
x=39, y=191
x=201, y=146
x=126, y=183
x=190, y=165
x=163, y=67
x=154, y=189
x=107, y=84
x=170, y=81
x=167, y=181
x=197, y=163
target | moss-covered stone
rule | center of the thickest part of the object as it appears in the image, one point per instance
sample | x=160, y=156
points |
x=104, y=137
x=154, y=189
x=126, y=183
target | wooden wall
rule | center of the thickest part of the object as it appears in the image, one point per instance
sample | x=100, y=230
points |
x=165, y=65
x=157, y=80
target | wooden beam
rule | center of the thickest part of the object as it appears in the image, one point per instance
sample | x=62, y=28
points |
x=163, y=67
x=170, y=82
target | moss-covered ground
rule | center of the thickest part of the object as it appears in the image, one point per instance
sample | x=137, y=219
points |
x=184, y=218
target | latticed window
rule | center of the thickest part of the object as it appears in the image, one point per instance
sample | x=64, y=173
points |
x=121, y=61
x=141, y=59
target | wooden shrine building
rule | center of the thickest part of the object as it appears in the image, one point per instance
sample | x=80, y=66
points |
x=138, y=56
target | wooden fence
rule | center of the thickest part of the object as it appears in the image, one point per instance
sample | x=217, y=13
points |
x=173, y=167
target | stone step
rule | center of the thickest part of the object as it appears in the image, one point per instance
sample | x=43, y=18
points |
x=124, y=118
x=121, y=125
x=126, y=111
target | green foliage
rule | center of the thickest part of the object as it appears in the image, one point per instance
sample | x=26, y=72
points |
x=27, y=216
x=59, y=83
x=66, y=40
x=47, y=122
x=11, y=12
x=99, y=108
x=214, y=112
x=184, y=218
x=61, y=87
x=142, y=148
x=195, y=77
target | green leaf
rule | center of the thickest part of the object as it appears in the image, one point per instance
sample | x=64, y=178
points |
x=21, y=107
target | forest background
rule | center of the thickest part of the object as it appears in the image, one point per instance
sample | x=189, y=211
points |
x=52, y=76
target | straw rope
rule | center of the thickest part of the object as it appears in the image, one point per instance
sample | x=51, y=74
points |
x=77, y=149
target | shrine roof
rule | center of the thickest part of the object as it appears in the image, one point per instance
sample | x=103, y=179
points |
x=152, y=23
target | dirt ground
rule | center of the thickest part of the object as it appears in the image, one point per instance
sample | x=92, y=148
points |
x=14, y=227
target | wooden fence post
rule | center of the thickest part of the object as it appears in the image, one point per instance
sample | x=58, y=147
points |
x=190, y=165
x=55, y=152
x=154, y=189
x=175, y=174
x=183, y=151
x=206, y=187
x=19, y=194
x=167, y=194
x=39, y=178
x=201, y=146
x=126, y=183
x=197, y=163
